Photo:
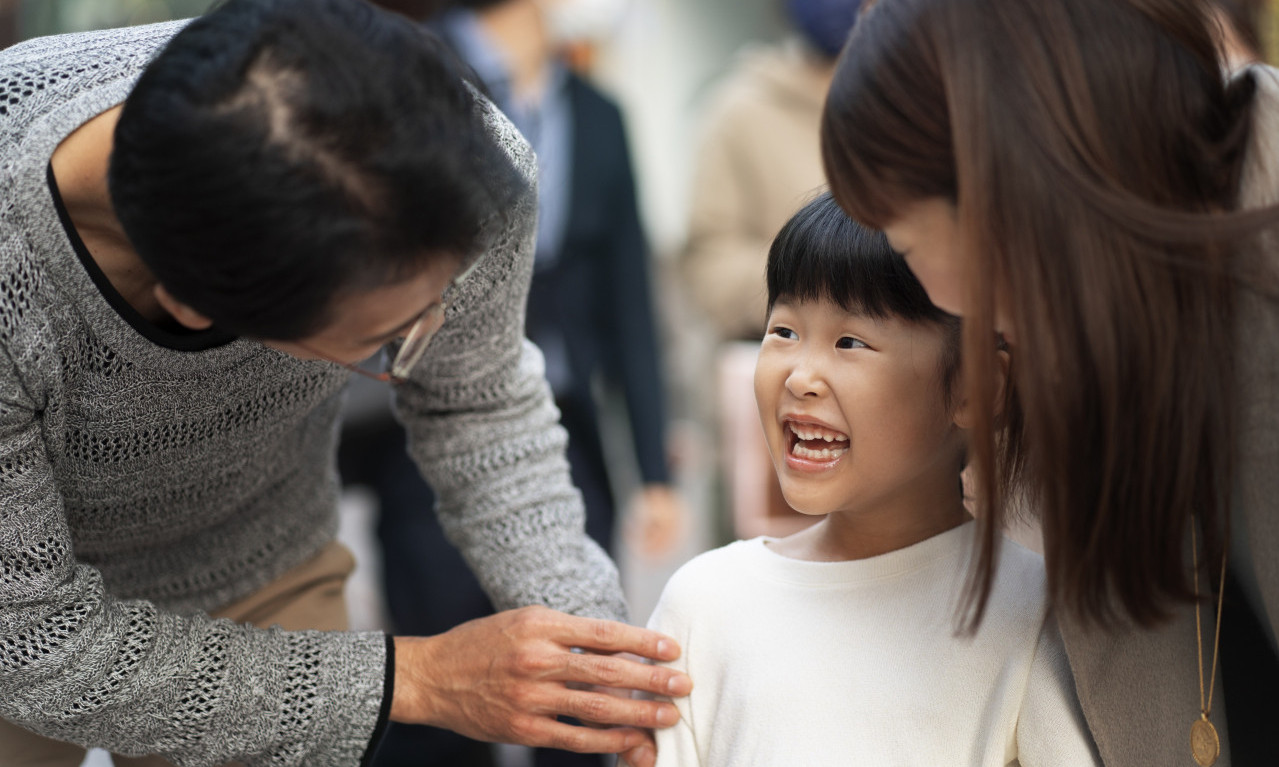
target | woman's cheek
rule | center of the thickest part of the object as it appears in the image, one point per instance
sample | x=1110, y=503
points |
x=941, y=279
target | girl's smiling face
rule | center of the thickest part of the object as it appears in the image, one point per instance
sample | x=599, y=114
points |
x=854, y=411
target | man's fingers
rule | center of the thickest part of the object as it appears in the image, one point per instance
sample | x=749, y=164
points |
x=641, y=756
x=612, y=636
x=609, y=671
x=602, y=708
x=508, y=676
x=586, y=740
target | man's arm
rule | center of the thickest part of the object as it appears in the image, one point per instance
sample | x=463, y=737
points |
x=78, y=664
x=484, y=432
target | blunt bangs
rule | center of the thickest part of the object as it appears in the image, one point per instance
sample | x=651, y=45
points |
x=822, y=254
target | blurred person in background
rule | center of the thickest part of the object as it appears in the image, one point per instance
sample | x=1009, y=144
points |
x=758, y=161
x=590, y=312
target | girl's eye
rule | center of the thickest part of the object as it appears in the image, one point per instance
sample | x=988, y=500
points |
x=782, y=332
x=848, y=342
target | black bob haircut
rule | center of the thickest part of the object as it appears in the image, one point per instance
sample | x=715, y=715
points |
x=822, y=254
x=278, y=154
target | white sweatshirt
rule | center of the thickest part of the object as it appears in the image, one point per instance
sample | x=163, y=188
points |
x=804, y=664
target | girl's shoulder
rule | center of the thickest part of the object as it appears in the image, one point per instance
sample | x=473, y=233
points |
x=704, y=588
x=1019, y=596
x=725, y=564
x=1020, y=558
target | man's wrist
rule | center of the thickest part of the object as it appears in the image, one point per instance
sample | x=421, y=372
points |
x=410, y=701
x=384, y=710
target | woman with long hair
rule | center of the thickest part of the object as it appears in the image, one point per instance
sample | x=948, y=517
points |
x=1084, y=179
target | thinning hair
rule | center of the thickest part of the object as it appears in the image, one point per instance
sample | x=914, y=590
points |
x=280, y=153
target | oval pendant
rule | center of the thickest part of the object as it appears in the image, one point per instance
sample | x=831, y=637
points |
x=1204, y=744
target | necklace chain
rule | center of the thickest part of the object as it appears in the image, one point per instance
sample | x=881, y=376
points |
x=1206, y=706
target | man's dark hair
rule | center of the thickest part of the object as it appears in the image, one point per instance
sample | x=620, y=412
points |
x=822, y=254
x=280, y=153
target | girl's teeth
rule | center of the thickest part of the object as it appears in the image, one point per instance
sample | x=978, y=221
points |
x=809, y=434
x=825, y=454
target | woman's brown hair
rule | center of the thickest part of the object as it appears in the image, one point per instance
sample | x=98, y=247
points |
x=1245, y=18
x=1093, y=150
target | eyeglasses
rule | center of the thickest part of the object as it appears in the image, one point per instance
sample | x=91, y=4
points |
x=417, y=339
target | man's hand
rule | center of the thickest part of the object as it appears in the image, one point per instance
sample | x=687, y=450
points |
x=507, y=677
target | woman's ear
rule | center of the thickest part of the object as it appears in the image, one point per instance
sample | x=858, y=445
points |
x=964, y=416
x=185, y=315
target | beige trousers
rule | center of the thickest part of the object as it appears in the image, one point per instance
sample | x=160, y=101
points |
x=310, y=596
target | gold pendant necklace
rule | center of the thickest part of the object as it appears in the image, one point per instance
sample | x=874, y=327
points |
x=1205, y=745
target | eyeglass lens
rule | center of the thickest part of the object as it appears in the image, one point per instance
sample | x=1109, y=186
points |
x=418, y=338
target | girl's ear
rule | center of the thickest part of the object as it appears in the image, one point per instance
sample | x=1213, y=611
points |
x=964, y=416
x=185, y=315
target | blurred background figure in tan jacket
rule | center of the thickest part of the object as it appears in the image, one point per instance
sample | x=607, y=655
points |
x=758, y=162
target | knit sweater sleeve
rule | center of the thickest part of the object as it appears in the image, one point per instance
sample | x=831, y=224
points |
x=80, y=665
x=485, y=433
x=1051, y=728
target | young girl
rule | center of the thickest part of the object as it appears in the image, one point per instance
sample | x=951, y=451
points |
x=838, y=645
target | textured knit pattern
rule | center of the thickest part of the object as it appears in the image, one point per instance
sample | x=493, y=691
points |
x=141, y=486
x=838, y=663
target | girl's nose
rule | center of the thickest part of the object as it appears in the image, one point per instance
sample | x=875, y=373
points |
x=806, y=379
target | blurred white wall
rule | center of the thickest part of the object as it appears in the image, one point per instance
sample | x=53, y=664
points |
x=663, y=59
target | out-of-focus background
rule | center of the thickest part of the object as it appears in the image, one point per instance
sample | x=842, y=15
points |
x=719, y=100
x=664, y=54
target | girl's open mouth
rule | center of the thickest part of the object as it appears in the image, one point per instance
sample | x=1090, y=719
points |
x=818, y=444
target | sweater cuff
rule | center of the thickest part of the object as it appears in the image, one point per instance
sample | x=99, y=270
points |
x=384, y=711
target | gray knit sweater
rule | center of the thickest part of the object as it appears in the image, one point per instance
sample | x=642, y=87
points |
x=144, y=480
